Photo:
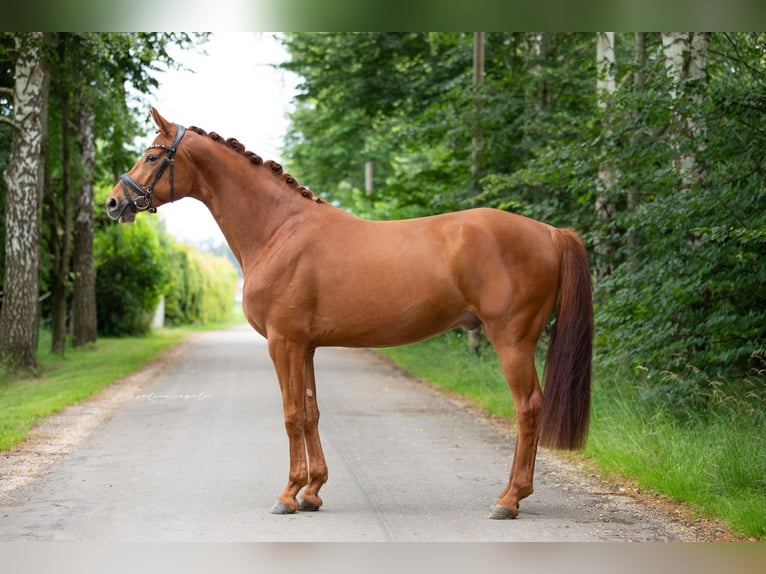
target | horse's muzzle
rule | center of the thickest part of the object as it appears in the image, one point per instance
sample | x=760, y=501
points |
x=119, y=210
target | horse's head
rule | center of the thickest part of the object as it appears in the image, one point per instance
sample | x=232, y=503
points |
x=147, y=185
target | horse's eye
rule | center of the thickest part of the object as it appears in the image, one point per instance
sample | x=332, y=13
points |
x=151, y=159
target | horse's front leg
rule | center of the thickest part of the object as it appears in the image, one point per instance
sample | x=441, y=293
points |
x=289, y=360
x=309, y=498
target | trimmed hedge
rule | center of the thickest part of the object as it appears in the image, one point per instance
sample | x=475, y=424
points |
x=200, y=288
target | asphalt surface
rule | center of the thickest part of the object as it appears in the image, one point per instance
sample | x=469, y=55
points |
x=199, y=453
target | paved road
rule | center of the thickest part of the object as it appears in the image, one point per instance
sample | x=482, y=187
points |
x=199, y=453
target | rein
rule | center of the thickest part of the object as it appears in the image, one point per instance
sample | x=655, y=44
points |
x=143, y=198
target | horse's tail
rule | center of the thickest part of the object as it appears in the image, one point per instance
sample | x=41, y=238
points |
x=566, y=405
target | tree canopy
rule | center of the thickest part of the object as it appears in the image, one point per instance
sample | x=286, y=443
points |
x=82, y=119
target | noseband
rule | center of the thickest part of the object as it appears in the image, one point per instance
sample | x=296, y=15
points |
x=143, y=198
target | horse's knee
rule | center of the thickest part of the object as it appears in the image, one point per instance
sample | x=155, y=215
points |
x=295, y=423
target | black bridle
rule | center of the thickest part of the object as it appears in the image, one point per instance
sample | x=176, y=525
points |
x=143, y=198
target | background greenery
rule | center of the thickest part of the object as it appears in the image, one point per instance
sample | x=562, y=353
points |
x=135, y=265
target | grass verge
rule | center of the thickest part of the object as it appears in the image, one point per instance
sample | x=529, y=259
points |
x=66, y=379
x=714, y=461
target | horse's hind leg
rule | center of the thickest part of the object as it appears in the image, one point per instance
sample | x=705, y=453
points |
x=309, y=498
x=517, y=362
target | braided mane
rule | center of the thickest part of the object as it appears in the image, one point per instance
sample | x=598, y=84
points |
x=255, y=159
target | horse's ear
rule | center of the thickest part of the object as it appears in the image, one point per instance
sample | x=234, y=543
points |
x=166, y=127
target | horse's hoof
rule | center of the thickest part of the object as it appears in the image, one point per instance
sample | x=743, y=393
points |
x=498, y=512
x=307, y=505
x=281, y=508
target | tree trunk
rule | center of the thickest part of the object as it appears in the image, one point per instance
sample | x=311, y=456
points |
x=478, y=80
x=369, y=180
x=639, y=82
x=18, y=317
x=536, y=53
x=607, y=174
x=537, y=63
x=686, y=65
x=84, y=295
x=42, y=174
x=61, y=221
x=474, y=335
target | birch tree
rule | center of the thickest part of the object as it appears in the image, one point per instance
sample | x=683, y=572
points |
x=18, y=317
x=686, y=65
x=474, y=336
x=639, y=82
x=606, y=85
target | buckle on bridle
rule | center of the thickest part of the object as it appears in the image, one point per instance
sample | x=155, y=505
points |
x=142, y=200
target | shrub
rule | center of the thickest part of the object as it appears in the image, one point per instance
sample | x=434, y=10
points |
x=131, y=274
x=200, y=287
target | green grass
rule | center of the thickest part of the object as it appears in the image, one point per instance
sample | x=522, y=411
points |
x=715, y=461
x=73, y=377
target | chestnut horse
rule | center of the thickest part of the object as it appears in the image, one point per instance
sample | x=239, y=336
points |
x=316, y=276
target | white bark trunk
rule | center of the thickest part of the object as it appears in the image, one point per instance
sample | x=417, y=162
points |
x=606, y=85
x=686, y=65
x=605, y=60
x=18, y=318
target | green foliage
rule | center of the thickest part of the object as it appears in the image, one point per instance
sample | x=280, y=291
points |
x=132, y=271
x=335, y=131
x=115, y=71
x=432, y=134
x=699, y=299
x=715, y=462
x=200, y=288
x=689, y=296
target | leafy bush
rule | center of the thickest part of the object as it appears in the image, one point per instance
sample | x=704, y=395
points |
x=132, y=273
x=136, y=264
x=690, y=296
x=200, y=287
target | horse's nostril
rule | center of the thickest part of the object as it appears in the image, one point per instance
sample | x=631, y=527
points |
x=111, y=203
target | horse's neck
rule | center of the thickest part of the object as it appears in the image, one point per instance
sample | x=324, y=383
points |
x=250, y=207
